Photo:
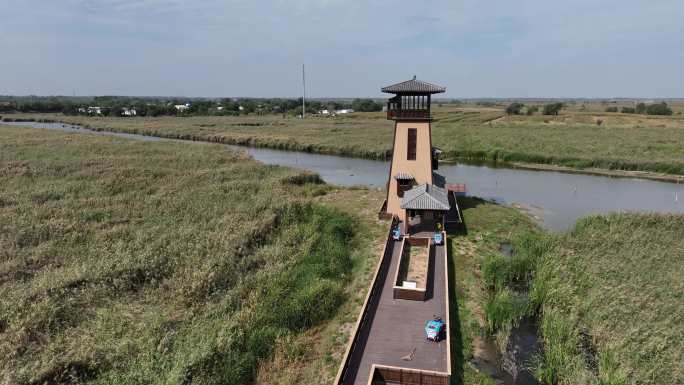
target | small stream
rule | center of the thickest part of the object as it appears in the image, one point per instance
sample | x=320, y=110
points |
x=555, y=199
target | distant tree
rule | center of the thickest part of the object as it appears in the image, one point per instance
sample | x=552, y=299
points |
x=365, y=105
x=553, y=108
x=612, y=109
x=658, y=109
x=531, y=110
x=200, y=107
x=640, y=108
x=514, y=108
x=628, y=110
x=70, y=109
x=249, y=105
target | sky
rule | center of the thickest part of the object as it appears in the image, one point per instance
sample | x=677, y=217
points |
x=351, y=48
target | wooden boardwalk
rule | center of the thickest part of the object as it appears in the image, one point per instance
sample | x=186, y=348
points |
x=394, y=328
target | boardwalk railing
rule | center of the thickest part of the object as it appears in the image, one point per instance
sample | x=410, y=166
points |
x=362, y=320
x=384, y=373
x=405, y=376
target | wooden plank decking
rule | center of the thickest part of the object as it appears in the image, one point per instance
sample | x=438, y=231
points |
x=394, y=327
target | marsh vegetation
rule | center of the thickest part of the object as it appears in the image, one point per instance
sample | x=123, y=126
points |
x=137, y=262
x=573, y=138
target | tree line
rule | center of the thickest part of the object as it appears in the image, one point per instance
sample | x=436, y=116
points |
x=644, y=109
x=517, y=108
x=116, y=105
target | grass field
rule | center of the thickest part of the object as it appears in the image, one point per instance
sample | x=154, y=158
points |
x=573, y=139
x=137, y=262
x=612, y=302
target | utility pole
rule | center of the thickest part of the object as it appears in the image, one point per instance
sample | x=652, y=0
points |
x=304, y=93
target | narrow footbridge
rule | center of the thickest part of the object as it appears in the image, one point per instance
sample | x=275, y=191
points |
x=388, y=343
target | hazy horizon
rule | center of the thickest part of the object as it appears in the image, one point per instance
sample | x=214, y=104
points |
x=500, y=50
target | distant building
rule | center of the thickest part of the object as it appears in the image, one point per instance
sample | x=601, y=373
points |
x=128, y=112
x=94, y=111
x=323, y=112
x=344, y=111
x=181, y=107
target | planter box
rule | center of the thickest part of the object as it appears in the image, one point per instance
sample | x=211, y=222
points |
x=412, y=275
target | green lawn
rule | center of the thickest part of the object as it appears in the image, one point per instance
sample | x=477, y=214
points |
x=140, y=262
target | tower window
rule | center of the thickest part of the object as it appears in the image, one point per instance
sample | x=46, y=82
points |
x=411, y=150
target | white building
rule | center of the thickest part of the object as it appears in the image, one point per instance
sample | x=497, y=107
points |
x=128, y=112
x=344, y=111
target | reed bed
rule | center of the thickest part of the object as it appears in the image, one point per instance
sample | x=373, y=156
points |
x=126, y=262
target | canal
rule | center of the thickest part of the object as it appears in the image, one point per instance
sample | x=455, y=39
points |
x=556, y=199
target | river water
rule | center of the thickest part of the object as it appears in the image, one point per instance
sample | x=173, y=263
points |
x=556, y=199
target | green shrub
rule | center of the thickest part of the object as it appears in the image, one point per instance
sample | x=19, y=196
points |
x=640, y=108
x=529, y=248
x=553, y=108
x=609, y=369
x=496, y=271
x=658, y=109
x=505, y=310
x=303, y=178
x=560, y=358
x=514, y=108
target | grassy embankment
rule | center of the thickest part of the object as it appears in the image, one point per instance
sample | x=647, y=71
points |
x=608, y=295
x=137, y=262
x=573, y=139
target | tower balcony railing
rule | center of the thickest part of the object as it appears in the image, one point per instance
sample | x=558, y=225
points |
x=408, y=114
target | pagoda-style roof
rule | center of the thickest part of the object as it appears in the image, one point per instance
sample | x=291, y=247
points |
x=426, y=197
x=403, y=176
x=413, y=86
